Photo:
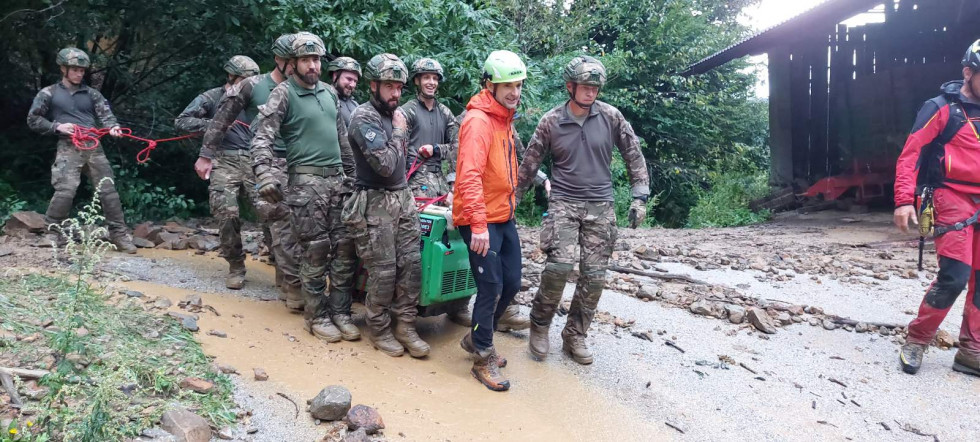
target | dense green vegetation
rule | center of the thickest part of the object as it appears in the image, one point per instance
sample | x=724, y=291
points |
x=152, y=58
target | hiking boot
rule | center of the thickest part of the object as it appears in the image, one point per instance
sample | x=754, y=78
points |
x=124, y=244
x=462, y=317
x=486, y=370
x=467, y=344
x=513, y=319
x=576, y=348
x=323, y=329
x=538, y=342
x=295, y=300
x=386, y=343
x=967, y=363
x=345, y=324
x=236, y=275
x=911, y=357
x=408, y=337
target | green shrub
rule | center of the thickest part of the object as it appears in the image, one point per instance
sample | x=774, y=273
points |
x=145, y=201
x=10, y=202
x=726, y=203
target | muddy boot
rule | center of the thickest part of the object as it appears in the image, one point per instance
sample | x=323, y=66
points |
x=236, y=275
x=486, y=370
x=538, y=342
x=323, y=329
x=576, y=348
x=467, y=344
x=911, y=357
x=462, y=316
x=513, y=319
x=123, y=243
x=295, y=301
x=345, y=324
x=385, y=342
x=967, y=363
x=408, y=337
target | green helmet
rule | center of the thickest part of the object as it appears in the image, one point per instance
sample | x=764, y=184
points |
x=504, y=67
x=283, y=46
x=344, y=64
x=585, y=70
x=241, y=66
x=426, y=66
x=73, y=57
x=307, y=44
x=386, y=67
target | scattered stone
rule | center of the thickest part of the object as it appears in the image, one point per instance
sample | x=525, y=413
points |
x=829, y=325
x=525, y=284
x=227, y=369
x=784, y=318
x=701, y=308
x=156, y=434
x=187, y=321
x=881, y=276
x=260, y=374
x=186, y=426
x=226, y=434
x=814, y=321
x=813, y=310
x=357, y=436
x=861, y=327
x=736, y=313
x=142, y=230
x=25, y=224
x=218, y=333
x=944, y=340
x=331, y=404
x=648, y=291
x=761, y=320
x=192, y=300
x=143, y=243
x=133, y=294
x=162, y=303
x=167, y=240
x=197, y=385
x=363, y=417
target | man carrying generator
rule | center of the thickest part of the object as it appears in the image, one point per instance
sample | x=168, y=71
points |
x=941, y=162
x=580, y=135
x=57, y=110
x=231, y=167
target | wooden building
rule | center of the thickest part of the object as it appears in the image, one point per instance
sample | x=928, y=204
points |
x=845, y=97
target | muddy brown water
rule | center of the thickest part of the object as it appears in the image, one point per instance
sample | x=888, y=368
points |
x=435, y=398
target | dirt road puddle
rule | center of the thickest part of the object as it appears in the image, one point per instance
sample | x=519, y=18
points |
x=431, y=399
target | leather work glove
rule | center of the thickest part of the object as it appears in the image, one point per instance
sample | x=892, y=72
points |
x=638, y=211
x=269, y=189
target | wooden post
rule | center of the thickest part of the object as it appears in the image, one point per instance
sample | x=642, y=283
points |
x=780, y=123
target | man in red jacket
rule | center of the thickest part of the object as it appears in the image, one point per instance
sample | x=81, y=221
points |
x=942, y=158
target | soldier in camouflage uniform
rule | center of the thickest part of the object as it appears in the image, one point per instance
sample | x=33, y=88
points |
x=381, y=214
x=231, y=168
x=236, y=110
x=303, y=112
x=57, y=110
x=344, y=73
x=433, y=134
x=580, y=135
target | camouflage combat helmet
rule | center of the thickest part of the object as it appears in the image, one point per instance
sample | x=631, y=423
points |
x=307, y=44
x=386, y=67
x=283, y=46
x=344, y=64
x=241, y=66
x=585, y=70
x=972, y=57
x=73, y=57
x=426, y=66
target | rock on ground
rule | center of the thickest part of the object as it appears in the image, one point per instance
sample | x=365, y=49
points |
x=761, y=320
x=331, y=404
x=196, y=384
x=186, y=426
x=363, y=417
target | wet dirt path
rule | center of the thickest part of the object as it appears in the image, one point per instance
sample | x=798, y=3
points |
x=431, y=399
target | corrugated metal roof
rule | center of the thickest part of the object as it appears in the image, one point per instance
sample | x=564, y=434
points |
x=820, y=17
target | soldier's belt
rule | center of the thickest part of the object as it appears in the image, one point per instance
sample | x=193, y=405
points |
x=319, y=171
x=430, y=169
x=279, y=153
x=226, y=152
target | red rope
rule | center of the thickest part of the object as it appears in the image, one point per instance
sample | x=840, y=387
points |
x=87, y=138
x=426, y=202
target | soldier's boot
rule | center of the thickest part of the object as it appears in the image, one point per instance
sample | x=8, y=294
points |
x=462, y=315
x=323, y=329
x=965, y=362
x=295, y=300
x=279, y=277
x=405, y=334
x=911, y=357
x=118, y=232
x=538, y=342
x=545, y=304
x=575, y=347
x=513, y=319
x=467, y=344
x=124, y=243
x=344, y=323
x=486, y=370
x=386, y=343
x=236, y=275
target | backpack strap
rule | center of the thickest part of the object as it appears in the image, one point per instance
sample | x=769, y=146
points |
x=958, y=117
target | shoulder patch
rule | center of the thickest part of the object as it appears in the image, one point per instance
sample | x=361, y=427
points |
x=373, y=135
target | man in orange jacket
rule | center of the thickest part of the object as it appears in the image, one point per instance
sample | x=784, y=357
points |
x=483, y=207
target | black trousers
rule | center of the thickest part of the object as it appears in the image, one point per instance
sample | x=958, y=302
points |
x=498, y=278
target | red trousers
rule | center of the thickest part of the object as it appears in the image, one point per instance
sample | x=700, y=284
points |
x=959, y=264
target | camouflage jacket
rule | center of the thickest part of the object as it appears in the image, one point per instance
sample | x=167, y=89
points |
x=379, y=148
x=198, y=114
x=437, y=127
x=582, y=154
x=266, y=129
x=239, y=98
x=56, y=104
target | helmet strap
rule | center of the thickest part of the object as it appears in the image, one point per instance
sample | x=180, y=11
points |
x=572, y=97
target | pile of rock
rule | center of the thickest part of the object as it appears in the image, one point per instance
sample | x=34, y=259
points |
x=357, y=423
x=174, y=236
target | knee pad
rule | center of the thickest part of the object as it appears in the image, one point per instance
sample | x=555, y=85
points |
x=553, y=279
x=593, y=280
x=952, y=278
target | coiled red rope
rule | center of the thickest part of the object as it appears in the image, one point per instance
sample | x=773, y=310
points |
x=88, y=138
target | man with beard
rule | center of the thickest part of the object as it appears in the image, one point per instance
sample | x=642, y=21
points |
x=239, y=107
x=303, y=112
x=345, y=72
x=381, y=214
x=57, y=110
x=231, y=168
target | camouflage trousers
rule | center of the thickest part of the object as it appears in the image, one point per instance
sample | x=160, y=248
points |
x=231, y=176
x=285, y=246
x=385, y=227
x=327, y=250
x=588, y=228
x=66, y=175
x=429, y=182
